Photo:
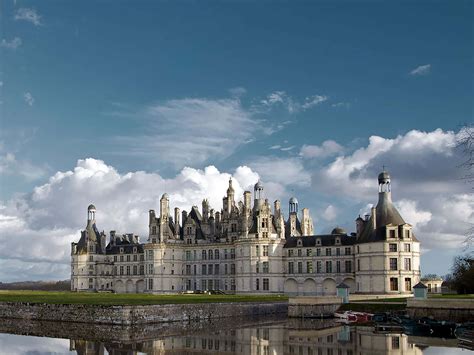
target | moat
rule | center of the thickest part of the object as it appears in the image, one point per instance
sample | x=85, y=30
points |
x=269, y=335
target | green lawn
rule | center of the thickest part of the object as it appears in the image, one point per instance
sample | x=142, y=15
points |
x=127, y=299
x=389, y=300
x=471, y=296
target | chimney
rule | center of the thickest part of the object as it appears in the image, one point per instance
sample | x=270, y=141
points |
x=374, y=217
x=176, y=221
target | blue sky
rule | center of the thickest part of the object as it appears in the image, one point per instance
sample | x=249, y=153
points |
x=160, y=86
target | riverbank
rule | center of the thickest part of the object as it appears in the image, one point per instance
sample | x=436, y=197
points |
x=128, y=299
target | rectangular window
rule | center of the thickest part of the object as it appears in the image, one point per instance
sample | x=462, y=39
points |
x=309, y=252
x=328, y=266
x=225, y=269
x=395, y=342
x=188, y=254
x=216, y=254
x=265, y=267
x=115, y=258
x=300, y=267
x=338, y=251
x=392, y=233
x=393, y=284
x=393, y=264
x=128, y=269
x=358, y=264
x=291, y=267
x=318, y=252
x=210, y=255
x=128, y=257
x=121, y=258
x=216, y=269
x=204, y=269
x=232, y=253
x=210, y=284
x=347, y=251
x=318, y=267
x=408, y=264
x=203, y=285
x=257, y=284
x=348, y=266
x=121, y=270
x=338, y=266
x=225, y=254
x=257, y=250
x=188, y=269
x=299, y=252
x=290, y=252
x=407, y=284
x=328, y=251
x=407, y=247
x=204, y=255
x=392, y=247
x=309, y=267
x=135, y=257
x=257, y=267
x=209, y=269
x=142, y=269
x=232, y=269
x=266, y=284
x=150, y=284
x=195, y=269
x=265, y=250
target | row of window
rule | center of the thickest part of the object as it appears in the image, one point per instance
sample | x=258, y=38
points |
x=394, y=264
x=128, y=270
x=301, y=269
x=328, y=252
x=394, y=284
x=393, y=247
x=127, y=258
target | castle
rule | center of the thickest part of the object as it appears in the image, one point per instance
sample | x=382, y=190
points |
x=247, y=248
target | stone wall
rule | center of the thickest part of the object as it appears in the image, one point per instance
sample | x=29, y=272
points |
x=130, y=315
x=455, y=310
x=313, y=307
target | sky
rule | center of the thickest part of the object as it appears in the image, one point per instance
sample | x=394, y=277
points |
x=116, y=102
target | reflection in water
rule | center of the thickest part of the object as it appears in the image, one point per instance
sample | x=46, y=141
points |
x=276, y=337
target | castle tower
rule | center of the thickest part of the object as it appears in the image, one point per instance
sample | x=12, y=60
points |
x=91, y=215
x=258, y=196
x=306, y=222
x=230, y=197
x=176, y=223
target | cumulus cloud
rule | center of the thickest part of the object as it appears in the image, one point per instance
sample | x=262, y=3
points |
x=421, y=70
x=29, y=99
x=328, y=148
x=426, y=179
x=28, y=15
x=204, y=128
x=36, y=229
x=13, y=44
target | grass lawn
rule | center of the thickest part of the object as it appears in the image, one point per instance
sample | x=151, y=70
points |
x=371, y=307
x=396, y=299
x=127, y=299
x=471, y=296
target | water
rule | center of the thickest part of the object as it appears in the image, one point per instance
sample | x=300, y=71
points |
x=273, y=336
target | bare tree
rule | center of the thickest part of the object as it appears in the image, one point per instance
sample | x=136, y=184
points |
x=465, y=142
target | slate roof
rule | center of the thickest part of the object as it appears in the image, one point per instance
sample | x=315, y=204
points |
x=385, y=215
x=326, y=240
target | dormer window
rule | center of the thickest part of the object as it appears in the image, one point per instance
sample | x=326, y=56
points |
x=407, y=233
x=300, y=243
x=121, y=250
x=318, y=241
x=338, y=241
x=134, y=250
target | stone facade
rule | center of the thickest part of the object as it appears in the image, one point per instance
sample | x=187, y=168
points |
x=250, y=248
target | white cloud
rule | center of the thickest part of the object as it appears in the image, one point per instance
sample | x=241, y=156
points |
x=13, y=44
x=426, y=184
x=421, y=70
x=10, y=165
x=238, y=91
x=36, y=229
x=29, y=15
x=204, y=128
x=330, y=213
x=290, y=104
x=328, y=148
x=274, y=147
x=313, y=101
x=284, y=171
x=29, y=99
x=341, y=105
